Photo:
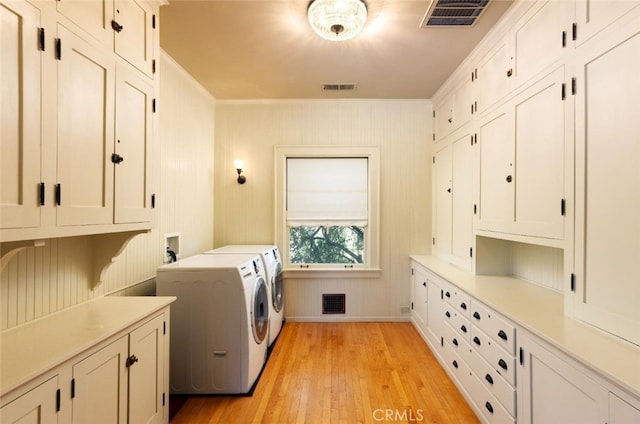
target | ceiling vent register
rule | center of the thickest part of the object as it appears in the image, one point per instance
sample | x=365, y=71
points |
x=338, y=87
x=453, y=13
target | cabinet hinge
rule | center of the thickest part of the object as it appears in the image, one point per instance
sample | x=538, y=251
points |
x=471, y=137
x=412, y=306
x=475, y=138
x=573, y=282
x=433, y=241
x=58, y=194
x=433, y=159
x=164, y=327
x=58, y=400
x=472, y=77
x=411, y=271
x=475, y=209
x=434, y=136
x=153, y=66
x=441, y=294
x=153, y=21
x=441, y=341
x=574, y=31
x=564, y=39
x=434, y=113
x=521, y=356
x=41, y=193
x=563, y=91
x=471, y=252
x=563, y=207
x=475, y=72
x=163, y=399
x=58, y=49
x=573, y=86
x=41, y=39
x=73, y=388
x=153, y=201
x=153, y=106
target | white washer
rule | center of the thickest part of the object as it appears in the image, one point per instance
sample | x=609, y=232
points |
x=270, y=256
x=219, y=322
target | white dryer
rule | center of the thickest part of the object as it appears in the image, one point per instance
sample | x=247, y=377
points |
x=270, y=256
x=219, y=322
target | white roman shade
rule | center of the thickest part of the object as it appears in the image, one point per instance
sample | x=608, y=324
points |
x=327, y=191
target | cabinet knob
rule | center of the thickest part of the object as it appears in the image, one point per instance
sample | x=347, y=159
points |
x=449, y=190
x=116, y=158
x=509, y=178
x=510, y=72
x=424, y=284
x=131, y=360
x=116, y=26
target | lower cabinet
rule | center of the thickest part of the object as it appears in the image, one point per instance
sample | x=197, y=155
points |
x=121, y=382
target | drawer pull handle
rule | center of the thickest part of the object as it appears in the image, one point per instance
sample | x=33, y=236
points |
x=455, y=364
x=463, y=328
x=476, y=340
x=489, y=407
x=463, y=306
x=502, y=335
x=448, y=314
x=455, y=342
x=489, y=378
x=476, y=316
x=447, y=294
x=502, y=364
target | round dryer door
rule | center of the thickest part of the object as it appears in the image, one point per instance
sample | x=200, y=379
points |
x=260, y=316
x=276, y=289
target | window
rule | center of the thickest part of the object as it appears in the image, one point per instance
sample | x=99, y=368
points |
x=327, y=207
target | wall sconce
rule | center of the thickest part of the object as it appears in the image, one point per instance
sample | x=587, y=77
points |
x=239, y=165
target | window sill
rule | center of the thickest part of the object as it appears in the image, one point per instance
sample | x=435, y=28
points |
x=331, y=273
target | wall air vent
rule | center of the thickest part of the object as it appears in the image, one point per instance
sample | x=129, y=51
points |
x=333, y=303
x=453, y=13
x=338, y=87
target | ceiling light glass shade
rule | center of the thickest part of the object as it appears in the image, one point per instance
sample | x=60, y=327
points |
x=337, y=20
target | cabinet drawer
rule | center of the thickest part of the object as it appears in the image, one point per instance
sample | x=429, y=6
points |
x=498, y=328
x=462, y=302
x=492, y=410
x=453, y=338
x=492, y=381
x=461, y=325
x=503, y=362
x=456, y=365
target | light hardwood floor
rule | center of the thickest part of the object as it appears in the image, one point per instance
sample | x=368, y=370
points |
x=341, y=373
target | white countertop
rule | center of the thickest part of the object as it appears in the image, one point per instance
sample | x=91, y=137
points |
x=541, y=311
x=31, y=349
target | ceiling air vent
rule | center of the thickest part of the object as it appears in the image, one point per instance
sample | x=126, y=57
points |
x=338, y=87
x=453, y=13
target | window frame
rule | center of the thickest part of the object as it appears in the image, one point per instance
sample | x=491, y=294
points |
x=370, y=267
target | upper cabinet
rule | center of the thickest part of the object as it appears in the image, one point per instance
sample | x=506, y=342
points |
x=592, y=16
x=20, y=54
x=522, y=162
x=605, y=290
x=78, y=110
x=454, y=109
x=492, y=74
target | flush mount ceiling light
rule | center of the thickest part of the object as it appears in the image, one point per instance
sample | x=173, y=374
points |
x=337, y=20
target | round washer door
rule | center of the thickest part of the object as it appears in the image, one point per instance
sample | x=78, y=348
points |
x=260, y=314
x=276, y=289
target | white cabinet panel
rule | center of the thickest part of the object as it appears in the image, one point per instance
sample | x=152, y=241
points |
x=85, y=132
x=493, y=75
x=132, y=197
x=442, y=198
x=100, y=385
x=419, y=296
x=20, y=66
x=135, y=41
x=621, y=412
x=592, y=16
x=92, y=16
x=434, y=312
x=37, y=406
x=607, y=255
x=550, y=390
x=462, y=198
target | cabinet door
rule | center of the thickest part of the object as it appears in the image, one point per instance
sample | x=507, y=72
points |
x=492, y=76
x=462, y=199
x=134, y=42
x=541, y=115
x=419, y=291
x=442, y=198
x=20, y=118
x=85, y=132
x=38, y=406
x=607, y=246
x=551, y=390
x=434, y=312
x=463, y=104
x=442, y=118
x=92, y=16
x=100, y=386
x=540, y=38
x=620, y=412
x=134, y=133
x=146, y=375
x=495, y=137
x=592, y=16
